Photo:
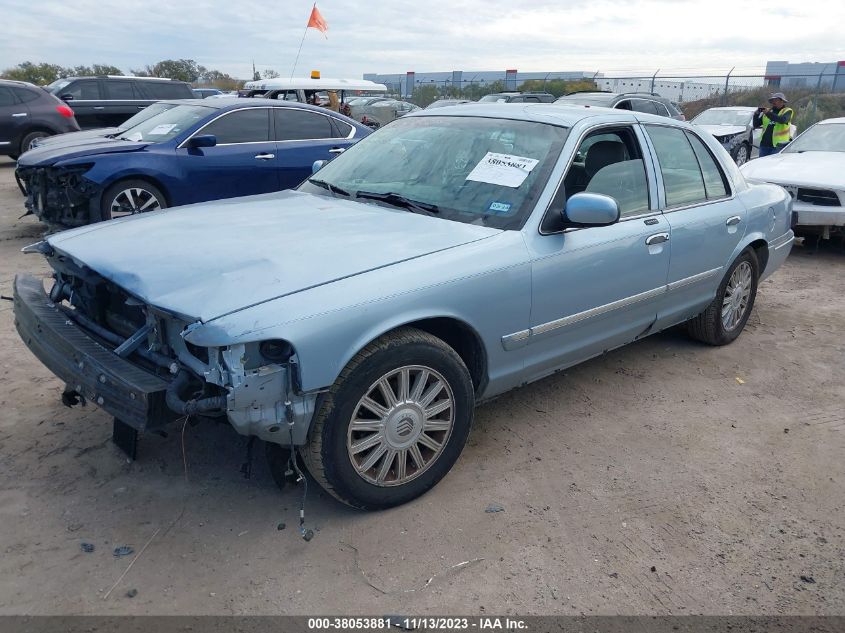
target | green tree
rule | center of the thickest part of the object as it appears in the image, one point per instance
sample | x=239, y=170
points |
x=424, y=95
x=180, y=69
x=38, y=74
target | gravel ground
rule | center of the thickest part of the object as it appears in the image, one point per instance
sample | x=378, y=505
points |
x=663, y=478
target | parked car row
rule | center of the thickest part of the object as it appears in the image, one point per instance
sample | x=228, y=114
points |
x=349, y=320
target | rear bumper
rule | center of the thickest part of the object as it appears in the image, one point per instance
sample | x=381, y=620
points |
x=778, y=252
x=124, y=390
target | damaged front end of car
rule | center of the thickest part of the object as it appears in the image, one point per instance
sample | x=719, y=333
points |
x=60, y=196
x=132, y=359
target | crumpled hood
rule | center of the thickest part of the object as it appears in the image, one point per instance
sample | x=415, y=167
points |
x=723, y=130
x=50, y=154
x=210, y=259
x=86, y=137
x=819, y=169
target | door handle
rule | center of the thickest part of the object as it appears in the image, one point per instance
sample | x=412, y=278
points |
x=99, y=107
x=657, y=238
x=265, y=156
x=19, y=114
x=733, y=220
x=337, y=150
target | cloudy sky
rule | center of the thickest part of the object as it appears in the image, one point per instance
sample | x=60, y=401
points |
x=430, y=35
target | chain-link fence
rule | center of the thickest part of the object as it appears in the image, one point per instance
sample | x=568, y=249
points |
x=813, y=96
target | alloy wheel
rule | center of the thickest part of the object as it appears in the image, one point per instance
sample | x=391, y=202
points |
x=742, y=155
x=737, y=295
x=133, y=200
x=401, y=425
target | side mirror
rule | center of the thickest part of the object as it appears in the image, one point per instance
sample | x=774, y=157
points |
x=203, y=140
x=590, y=209
x=317, y=165
x=66, y=97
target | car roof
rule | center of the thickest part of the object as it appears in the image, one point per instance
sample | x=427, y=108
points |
x=565, y=115
x=233, y=101
x=15, y=82
x=839, y=119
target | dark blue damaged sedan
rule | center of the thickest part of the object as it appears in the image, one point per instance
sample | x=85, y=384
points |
x=196, y=151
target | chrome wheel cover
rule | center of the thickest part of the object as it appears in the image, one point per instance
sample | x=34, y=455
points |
x=401, y=425
x=742, y=155
x=133, y=200
x=737, y=295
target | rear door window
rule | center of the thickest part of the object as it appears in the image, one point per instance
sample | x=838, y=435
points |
x=299, y=125
x=682, y=177
x=242, y=126
x=6, y=97
x=25, y=95
x=715, y=183
x=120, y=90
x=165, y=90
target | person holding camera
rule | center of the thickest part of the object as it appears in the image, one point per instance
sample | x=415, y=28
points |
x=775, y=121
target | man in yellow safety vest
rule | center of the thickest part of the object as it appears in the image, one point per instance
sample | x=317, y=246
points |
x=775, y=122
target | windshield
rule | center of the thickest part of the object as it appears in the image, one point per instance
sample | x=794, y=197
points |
x=57, y=85
x=822, y=137
x=164, y=126
x=147, y=113
x=723, y=117
x=474, y=170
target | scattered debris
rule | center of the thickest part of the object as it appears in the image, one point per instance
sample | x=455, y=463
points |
x=131, y=593
x=86, y=547
x=494, y=507
x=123, y=550
x=461, y=565
x=808, y=579
x=786, y=430
x=240, y=534
x=740, y=380
x=613, y=574
x=281, y=526
x=128, y=567
x=654, y=569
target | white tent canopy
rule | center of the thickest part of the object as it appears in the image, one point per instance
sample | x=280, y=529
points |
x=306, y=83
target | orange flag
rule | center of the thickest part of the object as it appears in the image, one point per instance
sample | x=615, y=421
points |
x=316, y=21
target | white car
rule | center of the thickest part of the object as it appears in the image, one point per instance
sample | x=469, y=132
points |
x=733, y=128
x=812, y=169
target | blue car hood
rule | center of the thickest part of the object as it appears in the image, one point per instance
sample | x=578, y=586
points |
x=50, y=154
x=206, y=260
x=76, y=138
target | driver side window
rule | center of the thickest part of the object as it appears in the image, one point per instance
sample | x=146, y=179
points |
x=610, y=162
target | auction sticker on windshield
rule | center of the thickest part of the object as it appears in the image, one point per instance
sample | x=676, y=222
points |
x=502, y=169
x=164, y=128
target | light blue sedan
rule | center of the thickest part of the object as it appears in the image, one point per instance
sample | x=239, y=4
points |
x=451, y=256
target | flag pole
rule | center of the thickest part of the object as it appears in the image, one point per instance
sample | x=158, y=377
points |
x=301, y=42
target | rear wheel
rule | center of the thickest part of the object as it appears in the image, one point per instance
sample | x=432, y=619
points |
x=29, y=139
x=129, y=197
x=724, y=319
x=394, y=423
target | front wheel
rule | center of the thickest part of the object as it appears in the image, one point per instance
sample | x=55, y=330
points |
x=129, y=197
x=741, y=153
x=726, y=316
x=394, y=423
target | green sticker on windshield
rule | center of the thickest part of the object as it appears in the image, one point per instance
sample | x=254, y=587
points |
x=499, y=207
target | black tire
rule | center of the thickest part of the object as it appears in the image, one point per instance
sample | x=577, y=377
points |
x=326, y=455
x=111, y=195
x=27, y=139
x=708, y=327
x=740, y=151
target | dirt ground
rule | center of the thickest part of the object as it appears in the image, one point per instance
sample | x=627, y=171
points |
x=663, y=478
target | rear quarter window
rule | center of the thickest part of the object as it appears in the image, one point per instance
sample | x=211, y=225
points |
x=26, y=95
x=165, y=90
